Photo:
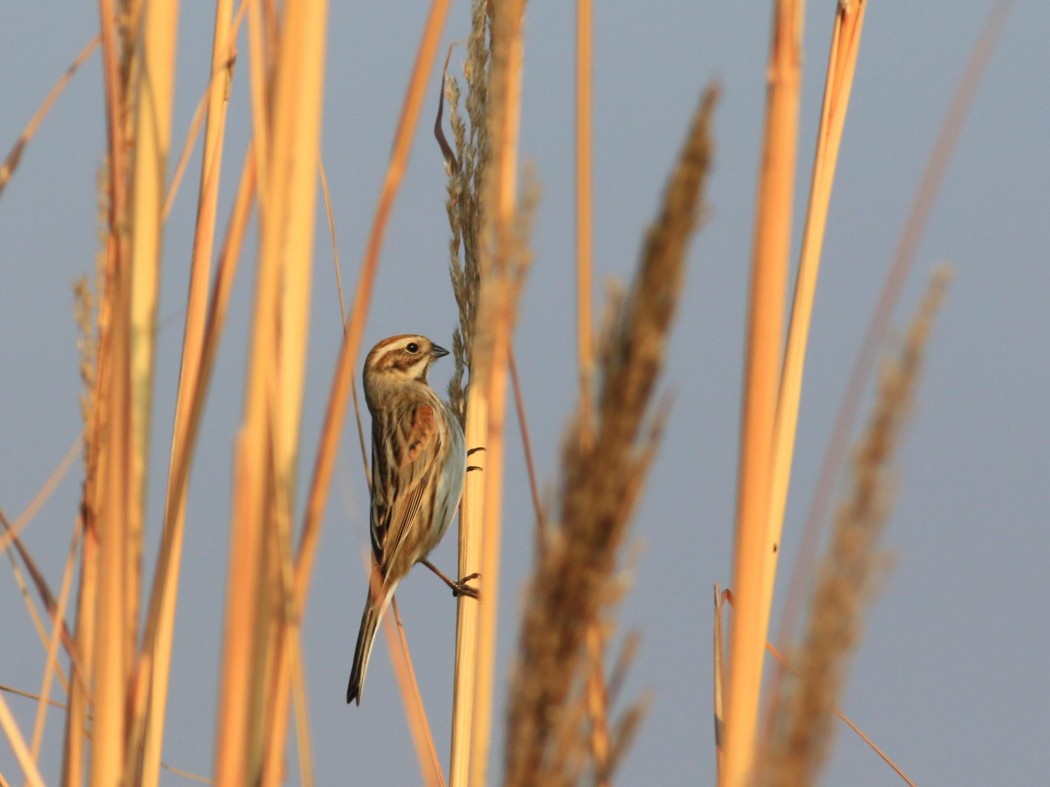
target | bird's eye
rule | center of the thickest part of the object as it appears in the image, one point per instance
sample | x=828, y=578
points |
x=412, y=347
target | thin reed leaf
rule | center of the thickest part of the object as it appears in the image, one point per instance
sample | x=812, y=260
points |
x=302, y=722
x=55, y=610
x=30, y=696
x=14, y=529
x=18, y=745
x=14, y=156
x=422, y=738
x=193, y=777
x=58, y=634
x=23, y=587
x=343, y=320
x=783, y=662
x=847, y=574
x=719, y=679
x=526, y=441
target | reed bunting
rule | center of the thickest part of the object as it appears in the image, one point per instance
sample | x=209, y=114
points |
x=418, y=465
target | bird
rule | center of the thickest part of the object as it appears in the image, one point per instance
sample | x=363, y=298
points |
x=418, y=466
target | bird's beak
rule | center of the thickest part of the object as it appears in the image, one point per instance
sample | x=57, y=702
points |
x=438, y=352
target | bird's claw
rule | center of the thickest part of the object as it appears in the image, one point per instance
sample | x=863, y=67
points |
x=461, y=588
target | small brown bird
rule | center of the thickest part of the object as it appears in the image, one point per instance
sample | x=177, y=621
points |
x=418, y=464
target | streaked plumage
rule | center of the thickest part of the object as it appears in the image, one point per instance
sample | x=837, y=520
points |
x=418, y=464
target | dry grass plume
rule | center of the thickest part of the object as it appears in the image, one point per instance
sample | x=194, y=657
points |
x=575, y=578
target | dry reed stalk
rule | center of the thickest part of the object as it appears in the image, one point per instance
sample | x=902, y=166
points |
x=467, y=182
x=143, y=69
x=468, y=613
x=497, y=307
x=81, y=668
x=252, y=703
x=153, y=666
x=575, y=580
x=85, y=312
x=155, y=658
x=597, y=704
x=343, y=378
x=211, y=110
x=772, y=241
x=80, y=671
x=112, y=515
x=80, y=700
x=259, y=71
x=76, y=729
x=228, y=259
x=95, y=362
x=301, y=53
x=154, y=87
x=904, y=256
x=116, y=106
x=847, y=574
x=584, y=210
x=842, y=61
x=503, y=261
x=342, y=381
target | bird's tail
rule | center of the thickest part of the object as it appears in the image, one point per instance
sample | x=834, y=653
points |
x=374, y=609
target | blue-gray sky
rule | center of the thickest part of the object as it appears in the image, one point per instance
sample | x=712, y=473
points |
x=951, y=678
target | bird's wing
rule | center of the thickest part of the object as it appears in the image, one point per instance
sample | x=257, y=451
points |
x=404, y=464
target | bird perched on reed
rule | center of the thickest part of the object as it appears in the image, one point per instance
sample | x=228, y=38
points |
x=418, y=465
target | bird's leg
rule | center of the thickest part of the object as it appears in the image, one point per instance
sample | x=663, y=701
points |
x=474, y=467
x=460, y=588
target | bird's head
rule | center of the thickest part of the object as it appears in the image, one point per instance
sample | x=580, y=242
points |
x=400, y=359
